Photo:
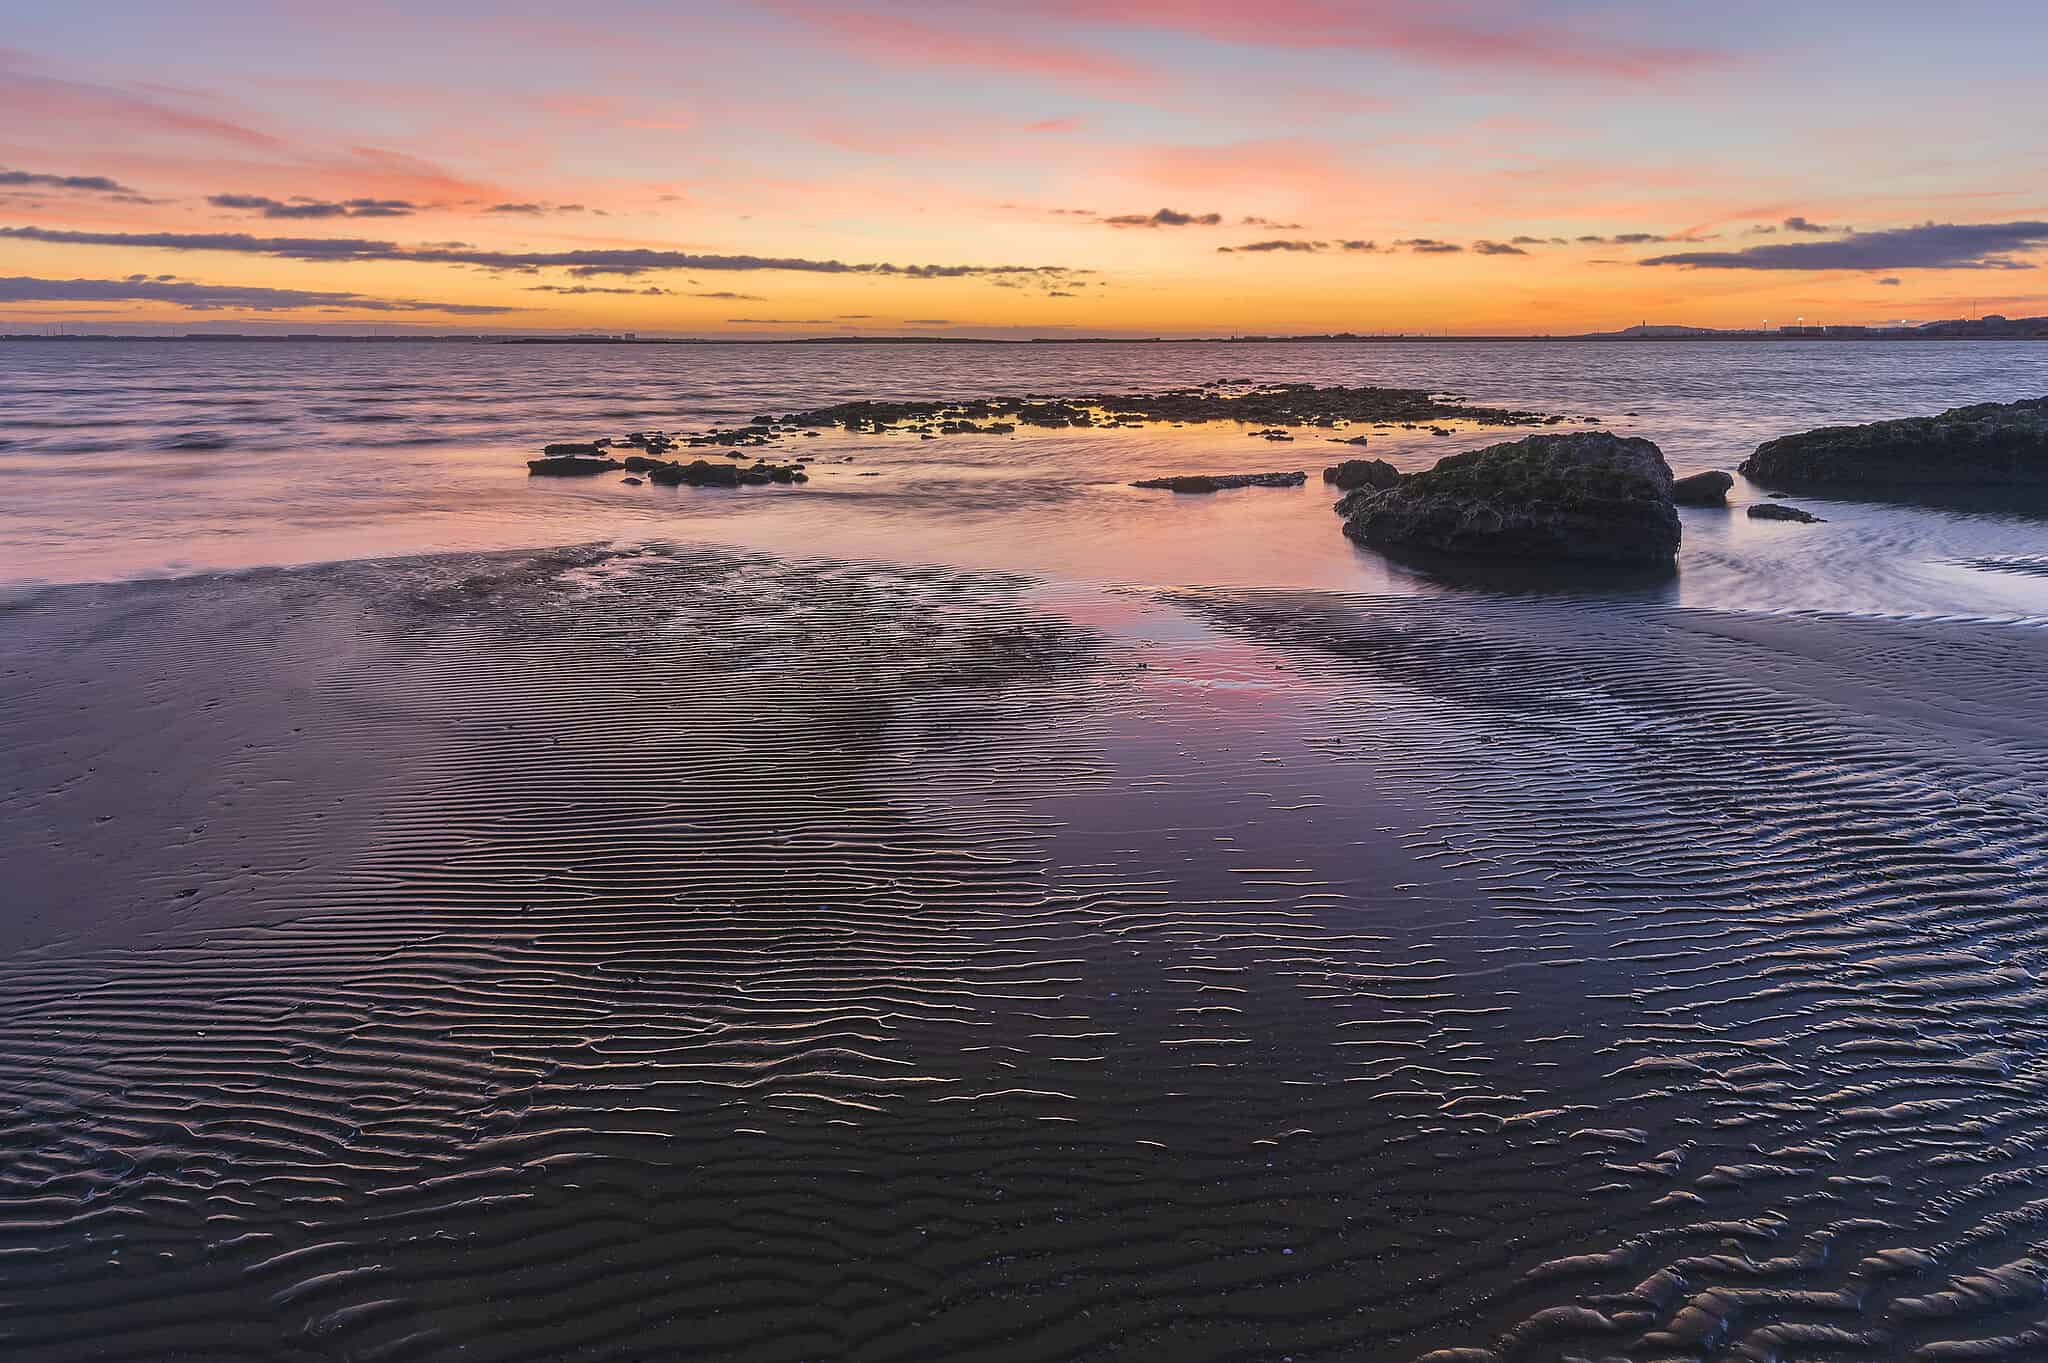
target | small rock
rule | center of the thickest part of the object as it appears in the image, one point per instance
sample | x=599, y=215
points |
x=1778, y=511
x=1355, y=473
x=1702, y=489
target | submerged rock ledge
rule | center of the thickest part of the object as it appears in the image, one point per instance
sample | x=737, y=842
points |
x=581, y=460
x=1217, y=482
x=1275, y=405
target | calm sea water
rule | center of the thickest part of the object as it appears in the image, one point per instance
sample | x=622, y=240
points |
x=123, y=459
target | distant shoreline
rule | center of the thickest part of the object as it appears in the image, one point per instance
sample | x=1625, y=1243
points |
x=1725, y=337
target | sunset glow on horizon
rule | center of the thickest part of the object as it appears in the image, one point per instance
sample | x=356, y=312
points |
x=1154, y=167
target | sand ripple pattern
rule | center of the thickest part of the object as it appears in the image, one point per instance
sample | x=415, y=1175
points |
x=1796, y=870
x=691, y=954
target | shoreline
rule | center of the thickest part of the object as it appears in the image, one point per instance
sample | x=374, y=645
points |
x=904, y=957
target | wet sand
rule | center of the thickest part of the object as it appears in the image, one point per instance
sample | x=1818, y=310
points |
x=707, y=954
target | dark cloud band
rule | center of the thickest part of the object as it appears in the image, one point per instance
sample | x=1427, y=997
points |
x=587, y=263
x=1930, y=246
x=217, y=297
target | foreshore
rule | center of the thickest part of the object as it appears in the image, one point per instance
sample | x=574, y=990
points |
x=665, y=950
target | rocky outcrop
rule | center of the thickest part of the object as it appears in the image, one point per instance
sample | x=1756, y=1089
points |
x=1702, y=489
x=1217, y=482
x=1594, y=496
x=1778, y=511
x=1991, y=444
x=1357, y=473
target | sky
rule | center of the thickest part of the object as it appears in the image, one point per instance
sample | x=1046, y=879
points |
x=1019, y=167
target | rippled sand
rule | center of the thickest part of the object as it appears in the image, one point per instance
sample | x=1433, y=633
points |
x=693, y=954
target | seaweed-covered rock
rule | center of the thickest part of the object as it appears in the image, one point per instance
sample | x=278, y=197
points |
x=1217, y=482
x=1990, y=444
x=1356, y=473
x=1593, y=496
x=1702, y=489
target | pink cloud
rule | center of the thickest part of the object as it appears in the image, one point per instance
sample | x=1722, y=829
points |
x=902, y=40
x=31, y=98
x=1477, y=33
x=1488, y=35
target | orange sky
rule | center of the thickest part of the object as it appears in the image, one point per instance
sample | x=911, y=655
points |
x=1176, y=167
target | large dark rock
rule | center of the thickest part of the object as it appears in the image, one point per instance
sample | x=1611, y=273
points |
x=1356, y=473
x=574, y=447
x=1990, y=444
x=569, y=465
x=1702, y=489
x=1594, y=496
x=1217, y=482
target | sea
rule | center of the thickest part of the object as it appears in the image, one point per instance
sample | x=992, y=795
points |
x=129, y=458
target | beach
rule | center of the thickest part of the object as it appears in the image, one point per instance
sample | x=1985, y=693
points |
x=655, y=950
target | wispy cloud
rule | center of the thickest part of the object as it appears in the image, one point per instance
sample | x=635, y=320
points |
x=1165, y=217
x=651, y=291
x=314, y=208
x=1484, y=34
x=537, y=210
x=903, y=39
x=89, y=184
x=1930, y=246
x=36, y=99
x=219, y=297
x=1296, y=245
